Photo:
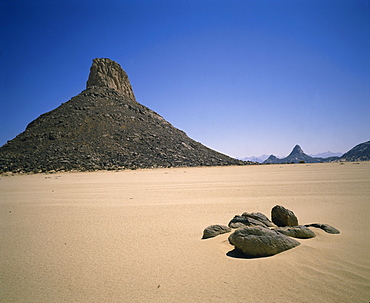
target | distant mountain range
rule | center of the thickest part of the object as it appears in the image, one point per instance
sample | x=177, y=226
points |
x=263, y=157
x=296, y=156
x=259, y=159
x=360, y=152
x=326, y=155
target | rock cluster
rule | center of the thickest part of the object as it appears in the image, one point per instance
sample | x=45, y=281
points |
x=104, y=128
x=256, y=236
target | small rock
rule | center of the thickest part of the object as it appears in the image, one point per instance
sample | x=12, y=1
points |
x=257, y=241
x=300, y=231
x=240, y=221
x=215, y=230
x=326, y=227
x=259, y=217
x=283, y=217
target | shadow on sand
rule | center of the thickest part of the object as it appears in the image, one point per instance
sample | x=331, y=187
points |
x=239, y=255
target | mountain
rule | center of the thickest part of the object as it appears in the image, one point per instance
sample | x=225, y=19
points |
x=327, y=154
x=297, y=155
x=360, y=152
x=104, y=127
x=258, y=159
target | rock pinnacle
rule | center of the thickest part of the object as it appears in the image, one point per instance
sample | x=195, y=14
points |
x=107, y=73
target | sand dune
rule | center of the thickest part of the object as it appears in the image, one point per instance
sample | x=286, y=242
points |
x=135, y=236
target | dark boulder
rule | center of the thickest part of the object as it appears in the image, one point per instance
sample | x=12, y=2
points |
x=215, y=230
x=241, y=221
x=326, y=227
x=283, y=217
x=300, y=231
x=257, y=241
x=259, y=217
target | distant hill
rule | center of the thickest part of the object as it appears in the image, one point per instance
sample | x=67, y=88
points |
x=360, y=152
x=258, y=159
x=104, y=127
x=297, y=155
x=327, y=154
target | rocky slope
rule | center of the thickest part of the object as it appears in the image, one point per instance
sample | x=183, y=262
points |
x=360, y=152
x=104, y=128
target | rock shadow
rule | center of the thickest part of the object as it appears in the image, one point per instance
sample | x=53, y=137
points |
x=236, y=254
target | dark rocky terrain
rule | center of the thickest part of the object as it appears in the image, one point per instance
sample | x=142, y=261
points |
x=360, y=152
x=104, y=127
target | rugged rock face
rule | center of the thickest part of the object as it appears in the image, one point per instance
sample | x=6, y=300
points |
x=106, y=73
x=104, y=128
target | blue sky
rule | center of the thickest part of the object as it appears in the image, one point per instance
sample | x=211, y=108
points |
x=244, y=77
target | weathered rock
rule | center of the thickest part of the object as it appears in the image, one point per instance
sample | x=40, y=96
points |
x=259, y=217
x=240, y=221
x=326, y=227
x=300, y=231
x=283, y=217
x=215, y=230
x=107, y=73
x=257, y=241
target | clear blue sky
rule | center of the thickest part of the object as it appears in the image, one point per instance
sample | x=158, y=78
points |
x=244, y=77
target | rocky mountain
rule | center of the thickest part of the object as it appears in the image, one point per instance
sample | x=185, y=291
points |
x=104, y=127
x=360, y=152
x=297, y=155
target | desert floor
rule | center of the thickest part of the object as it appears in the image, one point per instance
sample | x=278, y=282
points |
x=135, y=236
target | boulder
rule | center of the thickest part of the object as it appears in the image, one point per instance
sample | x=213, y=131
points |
x=300, y=231
x=326, y=227
x=283, y=217
x=240, y=221
x=257, y=241
x=215, y=230
x=259, y=217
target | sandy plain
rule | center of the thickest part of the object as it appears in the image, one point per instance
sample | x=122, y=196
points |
x=135, y=236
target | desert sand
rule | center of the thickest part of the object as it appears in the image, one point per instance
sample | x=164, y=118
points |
x=135, y=236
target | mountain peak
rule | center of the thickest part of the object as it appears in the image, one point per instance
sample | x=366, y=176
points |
x=107, y=73
x=296, y=156
x=297, y=150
